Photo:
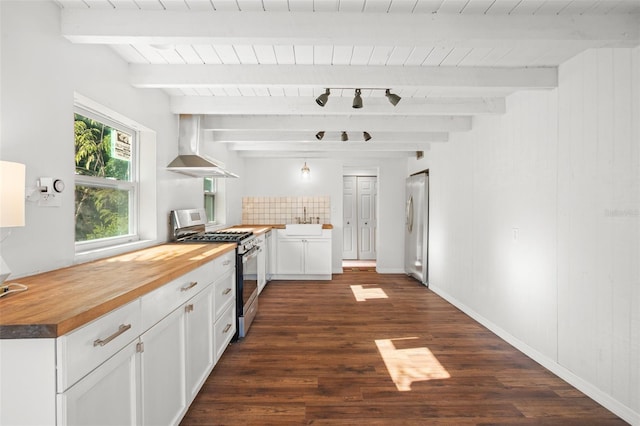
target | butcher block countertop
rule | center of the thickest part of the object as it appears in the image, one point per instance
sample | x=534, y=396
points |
x=60, y=301
x=261, y=229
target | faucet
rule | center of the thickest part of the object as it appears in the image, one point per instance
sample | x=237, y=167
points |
x=304, y=215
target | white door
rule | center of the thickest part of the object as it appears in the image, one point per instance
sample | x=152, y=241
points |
x=290, y=256
x=366, y=196
x=199, y=340
x=317, y=256
x=107, y=396
x=349, y=220
x=163, y=371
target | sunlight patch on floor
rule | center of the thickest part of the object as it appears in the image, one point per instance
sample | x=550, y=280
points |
x=410, y=365
x=363, y=294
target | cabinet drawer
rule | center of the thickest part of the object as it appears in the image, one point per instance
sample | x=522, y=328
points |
x=224, y=293
x=84, y=349
x=224, y=264
x=160, y=302
x=225, y=328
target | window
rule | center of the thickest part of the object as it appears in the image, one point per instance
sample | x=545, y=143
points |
x=106, y=183
x=210, y=198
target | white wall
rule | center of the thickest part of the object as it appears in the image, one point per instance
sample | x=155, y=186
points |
x=599, y=221
x=535, y=225
x=40, y=71
x=281, y=177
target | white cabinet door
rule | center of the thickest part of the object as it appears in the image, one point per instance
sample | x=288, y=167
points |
x=163, y=371
x=106, y=396
x=199, y=340
x=290, y=256
x=317, y=257
x=262, y=267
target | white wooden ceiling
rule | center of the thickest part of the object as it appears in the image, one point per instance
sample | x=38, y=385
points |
x=255, y=67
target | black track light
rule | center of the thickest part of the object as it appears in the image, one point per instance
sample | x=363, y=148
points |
x=366, y=136
x=344, y=137
x=393, y=98
x=320, y=135
x=357, y=100
x=322, y=99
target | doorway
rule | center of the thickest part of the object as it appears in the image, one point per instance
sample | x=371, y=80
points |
x=359, y=194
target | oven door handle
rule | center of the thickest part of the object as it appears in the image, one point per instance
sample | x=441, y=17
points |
x=250, y=254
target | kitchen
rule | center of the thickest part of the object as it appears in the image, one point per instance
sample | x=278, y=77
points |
x=504, y=210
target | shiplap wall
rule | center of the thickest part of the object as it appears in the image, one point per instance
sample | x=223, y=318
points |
x=599, y=221
x=535, y=225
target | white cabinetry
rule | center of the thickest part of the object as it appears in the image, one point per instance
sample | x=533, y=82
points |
x=199, y=340
x=270, y=248
x=97, y=370
x=224, y=325
x=163, y=371
x=142, y=363
x=107, y=396
x=307, y=257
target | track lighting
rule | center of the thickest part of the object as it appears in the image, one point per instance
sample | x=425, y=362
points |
x=322, y=99
x=357, y=99
x=393, y=98
x=366, y=136
x=344, y=137
x=320, y=135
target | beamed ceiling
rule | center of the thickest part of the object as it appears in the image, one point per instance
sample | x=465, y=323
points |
x=253, y=68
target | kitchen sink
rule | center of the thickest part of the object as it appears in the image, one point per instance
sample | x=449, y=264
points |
x=303, y=229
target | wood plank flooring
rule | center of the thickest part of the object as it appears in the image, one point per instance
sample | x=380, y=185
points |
x=401, y=355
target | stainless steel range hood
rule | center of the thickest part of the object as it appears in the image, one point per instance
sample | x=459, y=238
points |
x=189, y=162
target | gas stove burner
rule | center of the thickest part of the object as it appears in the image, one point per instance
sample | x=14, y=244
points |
x=219, y=237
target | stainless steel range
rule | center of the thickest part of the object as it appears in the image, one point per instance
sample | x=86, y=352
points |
x=189, y=226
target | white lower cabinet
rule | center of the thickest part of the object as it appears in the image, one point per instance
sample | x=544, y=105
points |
x=163, y=371
x=107, y=396
x=199, y=340
x=142, y=363
x=307, y=257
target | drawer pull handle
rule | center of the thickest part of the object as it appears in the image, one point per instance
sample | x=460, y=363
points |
x=121, y=329
x=189, y=286
x=226, y=328
x=226, y=291
x=188, y=308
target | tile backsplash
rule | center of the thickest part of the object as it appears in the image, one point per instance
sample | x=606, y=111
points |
x=283, y=210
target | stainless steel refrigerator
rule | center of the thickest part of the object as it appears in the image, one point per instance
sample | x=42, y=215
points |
x=416, y=231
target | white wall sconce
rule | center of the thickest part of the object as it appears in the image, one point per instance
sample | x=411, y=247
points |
x=47, y=192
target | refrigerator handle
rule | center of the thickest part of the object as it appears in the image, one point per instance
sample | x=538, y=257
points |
x=409, y=218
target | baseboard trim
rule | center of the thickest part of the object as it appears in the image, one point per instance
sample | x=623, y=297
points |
x=601, y=397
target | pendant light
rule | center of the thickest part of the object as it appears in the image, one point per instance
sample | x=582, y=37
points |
x=320, y=135
x=305, y=171
x=366, y=136
x=344, y=137
x=357, y=99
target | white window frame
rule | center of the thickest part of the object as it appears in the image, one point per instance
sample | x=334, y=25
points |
x=214, y=192
x=133, y=185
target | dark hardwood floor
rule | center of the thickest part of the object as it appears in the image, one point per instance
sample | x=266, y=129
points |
x=403, y=355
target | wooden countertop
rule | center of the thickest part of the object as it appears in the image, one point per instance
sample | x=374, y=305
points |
x=261, y=229
x=62, y=300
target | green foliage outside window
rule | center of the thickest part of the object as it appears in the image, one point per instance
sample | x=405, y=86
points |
x=101, y=207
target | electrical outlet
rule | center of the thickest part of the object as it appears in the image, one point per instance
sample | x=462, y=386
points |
x=50, y=200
